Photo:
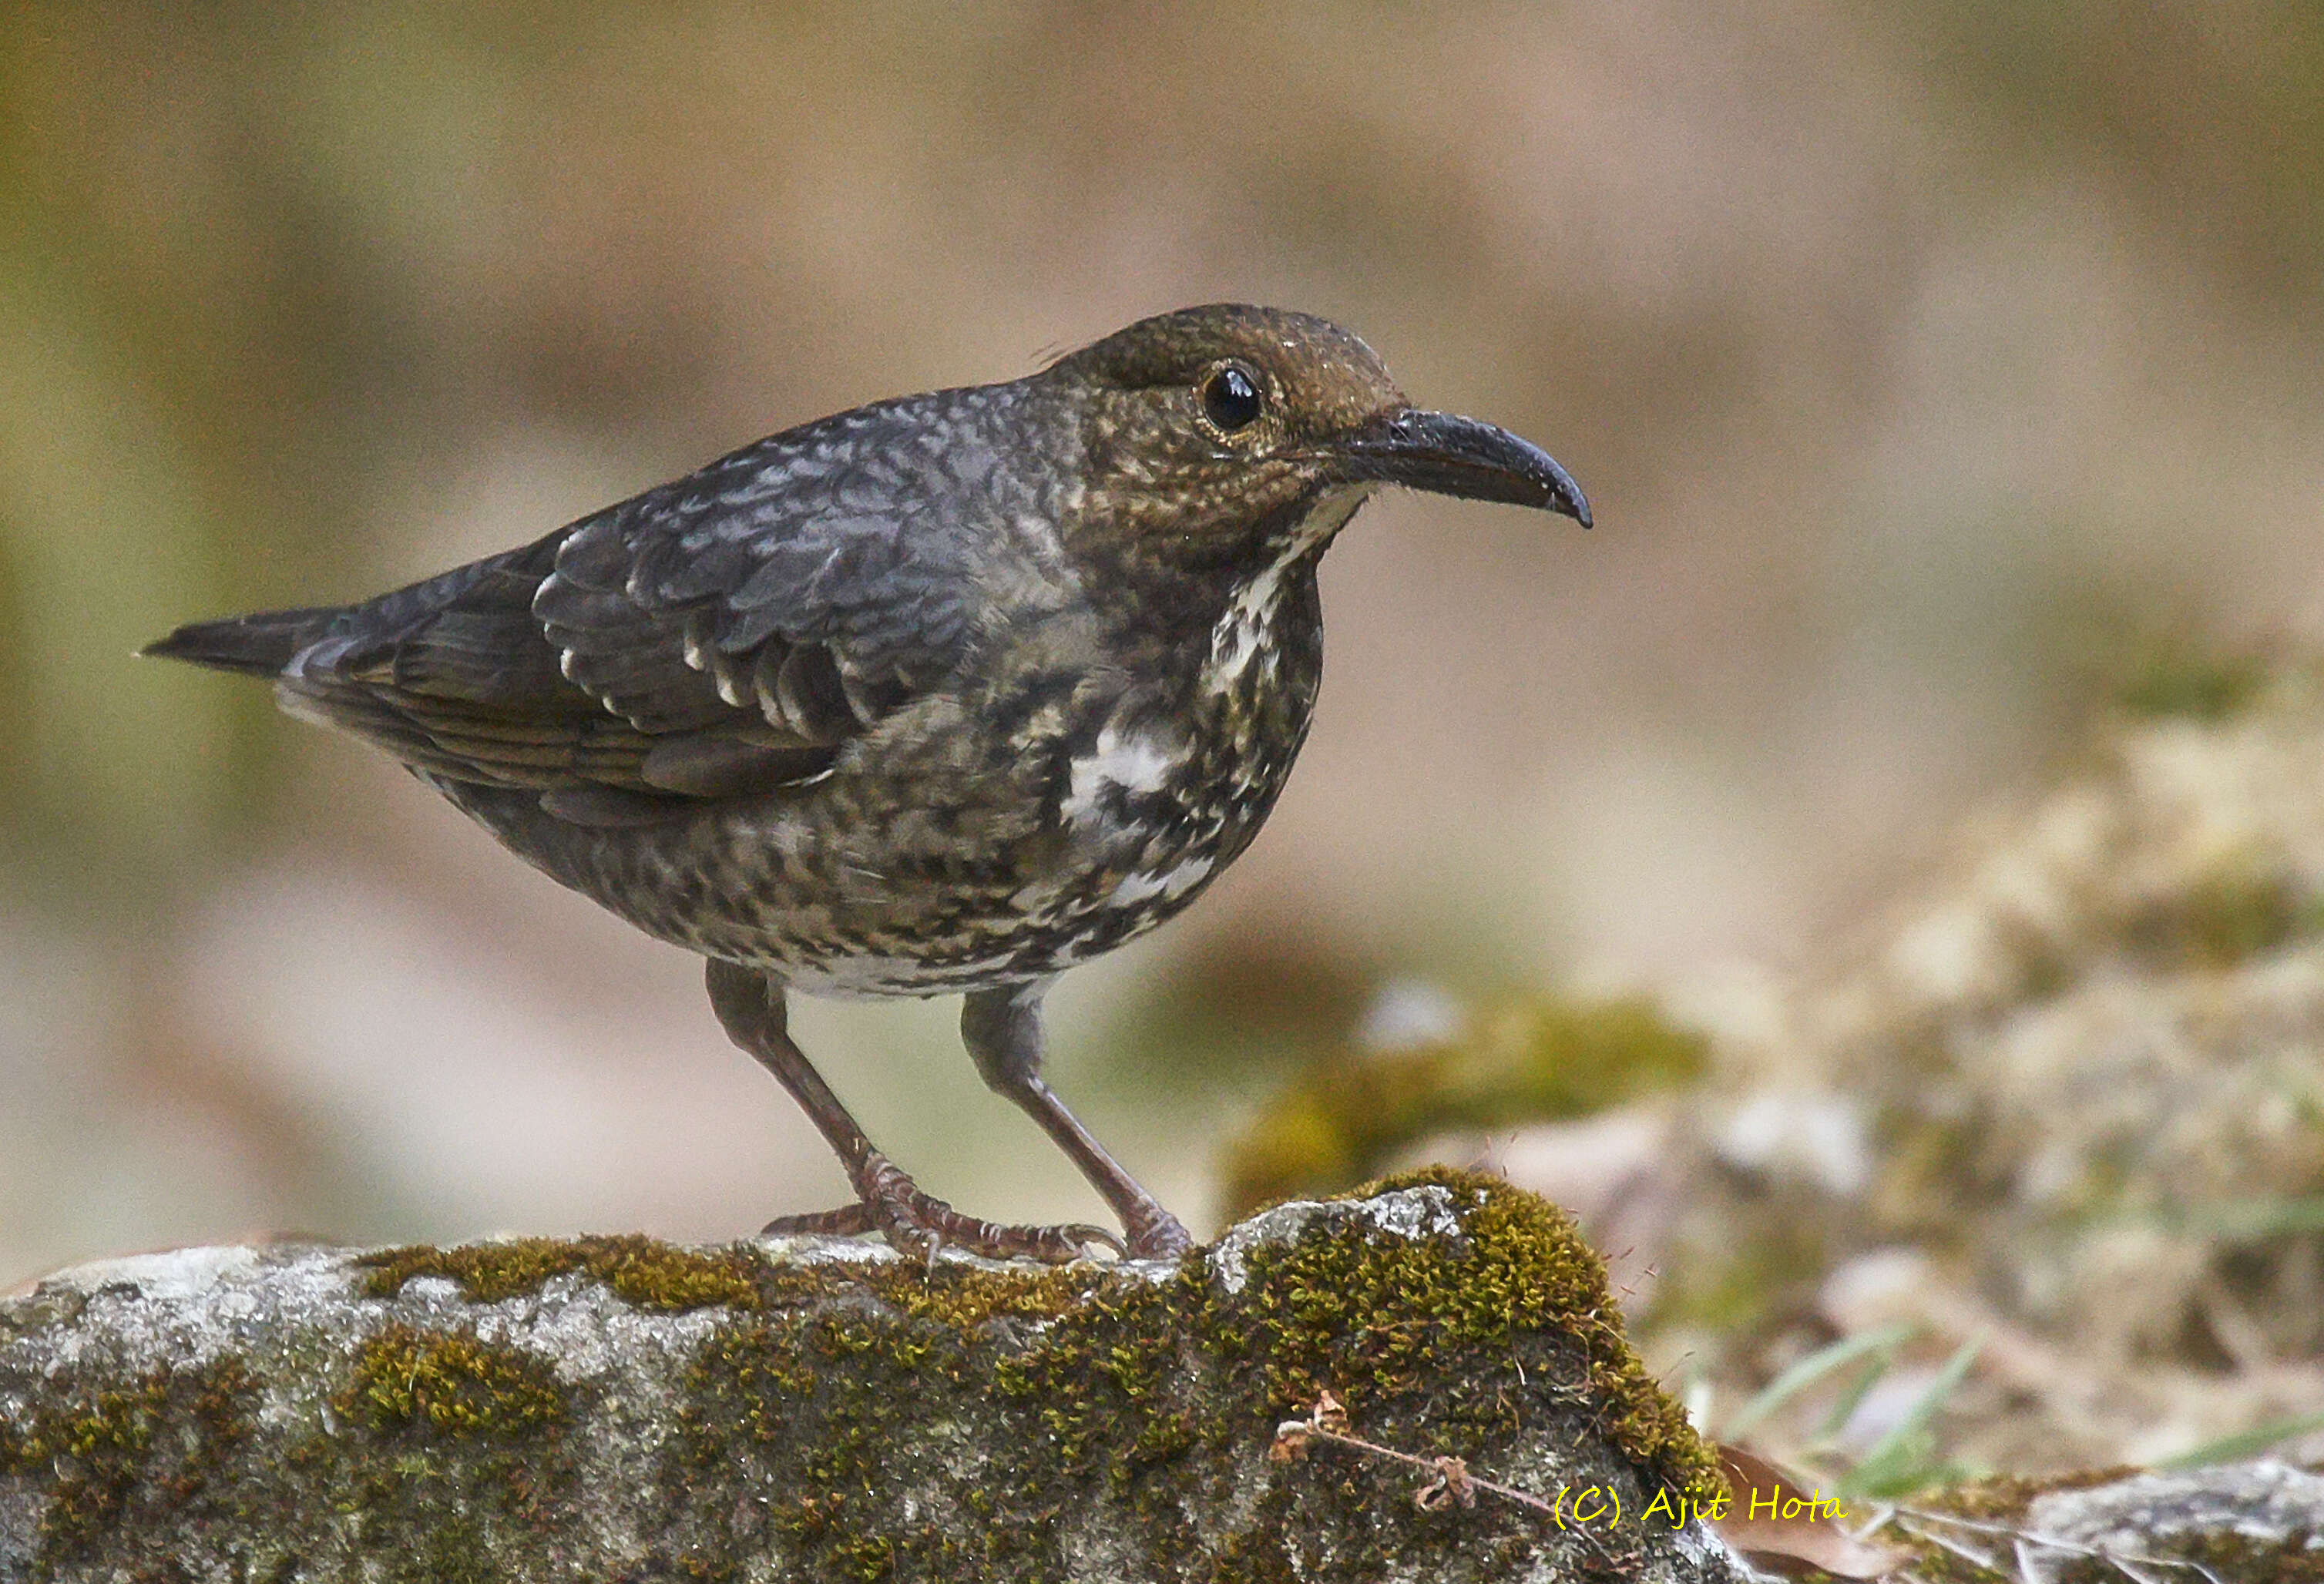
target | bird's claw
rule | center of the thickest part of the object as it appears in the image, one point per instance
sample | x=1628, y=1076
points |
x=920, y=1225
x=1161, y=1236
x=849, y=1221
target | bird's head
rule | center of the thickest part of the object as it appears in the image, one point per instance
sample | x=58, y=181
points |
x=1214, y=431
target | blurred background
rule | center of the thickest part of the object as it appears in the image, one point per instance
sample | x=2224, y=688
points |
x=1929, y=365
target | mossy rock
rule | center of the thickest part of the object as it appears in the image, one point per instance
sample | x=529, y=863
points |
x=811, y=1409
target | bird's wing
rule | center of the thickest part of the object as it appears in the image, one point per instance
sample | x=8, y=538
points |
x=807, y=581
x=720, y=635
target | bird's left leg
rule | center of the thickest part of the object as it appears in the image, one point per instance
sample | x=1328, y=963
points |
x=750, y=1008
x=1003, y=1030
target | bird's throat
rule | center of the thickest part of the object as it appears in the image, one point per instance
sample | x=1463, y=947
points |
x=1244, y=635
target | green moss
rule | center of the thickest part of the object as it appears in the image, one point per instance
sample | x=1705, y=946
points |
x=2238, y=910
x=1536, y=1059
x=642, y=1272
x=96, y=1449
x=108, y=1456
x=875, y=1420
x=446, y=1461
x=1526, y=1267
x=2245, y=902
x=1085, y=1382
x=2172, y=681
x=449, y=1382
x=2227, y=1551
x=964, y=1298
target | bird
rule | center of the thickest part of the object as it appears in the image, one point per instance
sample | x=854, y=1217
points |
x=943, y=694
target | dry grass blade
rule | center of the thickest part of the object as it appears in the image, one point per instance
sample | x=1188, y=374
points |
x=1785, y=1524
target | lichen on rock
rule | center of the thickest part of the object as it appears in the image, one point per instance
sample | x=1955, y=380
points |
x=810, y=1409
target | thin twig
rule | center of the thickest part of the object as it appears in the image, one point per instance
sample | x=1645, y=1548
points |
x=1450, y=1481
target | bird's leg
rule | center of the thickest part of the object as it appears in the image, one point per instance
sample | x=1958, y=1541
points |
x=749, y=1005
x=1003, y=1030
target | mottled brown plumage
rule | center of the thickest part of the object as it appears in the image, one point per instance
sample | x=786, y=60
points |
x=945, y=693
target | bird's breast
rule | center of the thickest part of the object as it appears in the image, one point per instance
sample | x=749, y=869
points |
x=1160, y=787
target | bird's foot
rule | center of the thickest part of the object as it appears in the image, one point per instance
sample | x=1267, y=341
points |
x=919, y=1224
x=1156, y=1234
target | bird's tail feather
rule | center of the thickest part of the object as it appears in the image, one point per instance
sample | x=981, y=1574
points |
x=260, y=645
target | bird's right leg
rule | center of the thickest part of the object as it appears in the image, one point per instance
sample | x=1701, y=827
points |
x=749, y=1006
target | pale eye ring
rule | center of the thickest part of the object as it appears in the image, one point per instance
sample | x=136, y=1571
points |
x=1231, y=399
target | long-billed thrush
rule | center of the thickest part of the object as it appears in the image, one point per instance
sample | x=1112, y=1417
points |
x=943, y=694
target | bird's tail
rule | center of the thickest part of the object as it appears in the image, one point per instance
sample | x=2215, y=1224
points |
x=260, y=645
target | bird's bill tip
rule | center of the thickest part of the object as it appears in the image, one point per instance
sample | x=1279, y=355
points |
x=1464, y=456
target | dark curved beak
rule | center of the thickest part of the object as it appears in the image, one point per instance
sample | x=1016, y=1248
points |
x=1449, y=456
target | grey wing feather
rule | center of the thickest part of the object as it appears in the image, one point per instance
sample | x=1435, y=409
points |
x=806, y=579
x=719, y=636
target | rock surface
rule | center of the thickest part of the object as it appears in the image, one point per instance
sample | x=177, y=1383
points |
x=2255, y=1522
x=616, y=1408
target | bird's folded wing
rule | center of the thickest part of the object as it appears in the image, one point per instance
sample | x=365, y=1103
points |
x=717, y=636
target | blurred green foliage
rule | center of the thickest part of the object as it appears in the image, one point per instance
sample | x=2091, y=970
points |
x=1530, y=1059
x=298, y=301
x=258, y=267
x=2241, y=909
x=2209, y=118
x=2199, y=685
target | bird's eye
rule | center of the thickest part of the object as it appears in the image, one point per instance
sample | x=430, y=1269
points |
x=1230, y=398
